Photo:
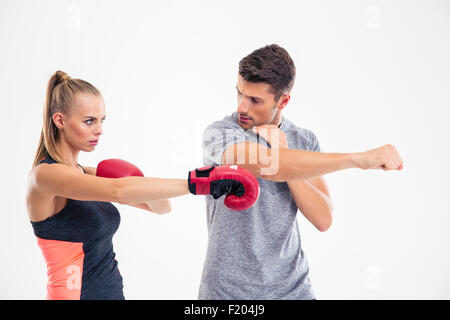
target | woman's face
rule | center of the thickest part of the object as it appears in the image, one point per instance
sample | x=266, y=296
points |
x=83, y=127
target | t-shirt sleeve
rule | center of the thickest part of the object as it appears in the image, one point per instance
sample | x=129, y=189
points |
x=314, y=144
x=218, y=136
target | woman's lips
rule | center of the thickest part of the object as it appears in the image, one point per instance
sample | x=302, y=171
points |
x=94, y=143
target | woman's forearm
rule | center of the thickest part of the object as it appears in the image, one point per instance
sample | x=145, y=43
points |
x=159, y=206
x=144, y=189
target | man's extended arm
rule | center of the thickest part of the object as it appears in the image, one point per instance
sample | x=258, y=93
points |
x=282, y=164
x=285, y=164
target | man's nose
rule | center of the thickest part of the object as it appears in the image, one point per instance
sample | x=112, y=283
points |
x=242, y=106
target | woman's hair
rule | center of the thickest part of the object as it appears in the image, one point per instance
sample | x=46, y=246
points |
x=61, y=93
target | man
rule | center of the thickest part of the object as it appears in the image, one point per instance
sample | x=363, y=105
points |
x=257, y=253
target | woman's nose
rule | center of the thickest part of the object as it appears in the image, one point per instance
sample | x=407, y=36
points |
x=99, y=130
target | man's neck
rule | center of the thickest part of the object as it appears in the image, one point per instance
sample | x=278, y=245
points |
x=278, y=119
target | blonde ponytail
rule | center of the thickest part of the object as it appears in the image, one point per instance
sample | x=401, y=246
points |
x=61, y=92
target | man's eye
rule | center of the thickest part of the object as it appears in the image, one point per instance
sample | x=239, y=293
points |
x=255, y=100
x=89, y=121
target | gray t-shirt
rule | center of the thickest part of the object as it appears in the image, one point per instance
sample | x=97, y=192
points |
x=255, y=253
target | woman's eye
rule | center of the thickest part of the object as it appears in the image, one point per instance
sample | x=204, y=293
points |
x=88, y=121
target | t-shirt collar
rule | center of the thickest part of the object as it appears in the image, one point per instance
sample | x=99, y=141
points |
x=281, y=126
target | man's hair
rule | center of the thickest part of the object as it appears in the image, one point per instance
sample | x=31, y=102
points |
x=272, y=65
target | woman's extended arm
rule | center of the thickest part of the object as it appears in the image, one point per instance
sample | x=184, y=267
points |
x=157, y=206
x=61, y=180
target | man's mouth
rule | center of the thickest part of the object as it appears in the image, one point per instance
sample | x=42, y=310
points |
x=244, y=119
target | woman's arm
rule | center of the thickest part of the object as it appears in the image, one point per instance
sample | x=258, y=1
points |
x=142, y=206
x=64, y=181
x=157, y=206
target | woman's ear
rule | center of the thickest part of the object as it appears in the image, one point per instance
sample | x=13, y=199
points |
x=58, y=120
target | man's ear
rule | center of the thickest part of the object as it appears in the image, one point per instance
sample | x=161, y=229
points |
x=58, y=120
x=283, y=100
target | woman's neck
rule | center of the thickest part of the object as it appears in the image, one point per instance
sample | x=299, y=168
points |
x=68, y=154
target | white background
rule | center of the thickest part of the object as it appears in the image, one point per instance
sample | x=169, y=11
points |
x=368, y=73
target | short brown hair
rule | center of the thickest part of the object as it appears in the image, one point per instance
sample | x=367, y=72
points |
x=272, y=65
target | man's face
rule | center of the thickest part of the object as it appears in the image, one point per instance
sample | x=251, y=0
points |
x=256, y=104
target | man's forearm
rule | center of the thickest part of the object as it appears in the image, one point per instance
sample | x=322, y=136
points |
x=282, y=164
x=300, y=164
x=291, y=164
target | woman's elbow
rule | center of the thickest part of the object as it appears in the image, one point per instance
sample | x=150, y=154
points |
x=161, y=209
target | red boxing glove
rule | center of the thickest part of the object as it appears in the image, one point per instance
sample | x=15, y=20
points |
x=240, y=186
x=116, y=168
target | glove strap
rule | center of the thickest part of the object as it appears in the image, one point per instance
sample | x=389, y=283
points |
x=197, y=185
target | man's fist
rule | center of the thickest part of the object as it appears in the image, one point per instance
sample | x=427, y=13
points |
x=239, y=185
x=385, y=157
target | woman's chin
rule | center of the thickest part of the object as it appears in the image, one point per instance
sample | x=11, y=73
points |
x=88, y=148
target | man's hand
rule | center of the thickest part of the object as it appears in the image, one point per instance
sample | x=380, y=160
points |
x=272, y=134
x=385, y=157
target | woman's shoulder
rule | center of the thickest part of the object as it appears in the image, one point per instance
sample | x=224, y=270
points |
x=89, y=170
x=43, y=171
x=39, y=202
x=48, y=173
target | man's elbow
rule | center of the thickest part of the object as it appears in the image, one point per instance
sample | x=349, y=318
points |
x=326, y=224
x=324, y=227
x=258, y=160
x=262, y=171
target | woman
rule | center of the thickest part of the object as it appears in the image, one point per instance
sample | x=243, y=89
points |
x=69, y=205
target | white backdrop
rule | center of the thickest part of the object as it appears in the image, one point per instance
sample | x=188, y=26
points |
x=369, y=73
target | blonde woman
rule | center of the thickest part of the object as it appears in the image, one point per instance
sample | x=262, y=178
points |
x=69, y=205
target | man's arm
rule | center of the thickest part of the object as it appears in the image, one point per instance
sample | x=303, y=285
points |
x=282, y=164
x=311, y=196
x=303, y=170
x=313, y=200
